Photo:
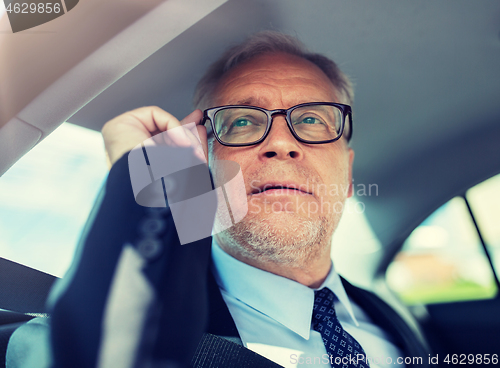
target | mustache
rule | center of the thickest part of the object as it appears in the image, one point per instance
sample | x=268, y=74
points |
x=300, y=174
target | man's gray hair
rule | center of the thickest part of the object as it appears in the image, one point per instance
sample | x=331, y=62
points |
x=263, y=43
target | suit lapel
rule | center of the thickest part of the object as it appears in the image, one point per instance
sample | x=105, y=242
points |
x=220, y=321
x=221, y=346
x=385, y=317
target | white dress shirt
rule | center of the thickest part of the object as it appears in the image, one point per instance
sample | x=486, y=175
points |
x=273, y=316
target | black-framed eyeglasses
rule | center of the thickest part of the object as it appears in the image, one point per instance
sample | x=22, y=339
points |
x=312, y=122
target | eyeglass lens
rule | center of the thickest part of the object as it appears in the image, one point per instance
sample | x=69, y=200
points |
x=246, y=125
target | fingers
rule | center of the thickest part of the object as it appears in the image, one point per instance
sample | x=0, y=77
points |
x=189, y=123
x=194, y=117
x=187, y=136
x=202, y=133
x=126, y=131
x=154, y=119
x=199, y=131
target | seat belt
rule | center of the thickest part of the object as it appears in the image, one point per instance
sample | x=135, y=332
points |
x=22, y=288
x=215, y=351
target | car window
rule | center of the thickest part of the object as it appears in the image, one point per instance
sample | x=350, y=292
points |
x=355, y=247
x=46, y=196
x=444, y=259
x=484, y=200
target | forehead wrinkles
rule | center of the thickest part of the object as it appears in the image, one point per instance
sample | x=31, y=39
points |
x=270, y=94
x=273, y=75
x=289, y=84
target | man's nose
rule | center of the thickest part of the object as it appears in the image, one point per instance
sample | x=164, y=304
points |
x=280, y=142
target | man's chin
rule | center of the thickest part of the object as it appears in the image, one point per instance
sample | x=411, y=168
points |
x=279, y=237
x=305, y=205
x=283, y=222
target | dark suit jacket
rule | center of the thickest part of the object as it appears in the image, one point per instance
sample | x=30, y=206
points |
x=221, y=323
x=188, y=323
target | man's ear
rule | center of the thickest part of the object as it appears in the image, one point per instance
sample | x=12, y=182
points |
x=351, y=159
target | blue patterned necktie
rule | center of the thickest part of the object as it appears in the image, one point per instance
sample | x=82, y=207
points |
x=343, y=349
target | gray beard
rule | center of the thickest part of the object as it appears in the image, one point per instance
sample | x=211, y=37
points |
x=267, y=241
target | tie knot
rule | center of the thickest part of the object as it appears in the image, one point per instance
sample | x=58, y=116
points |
x=338, y=343
x=323, y=298
x=323, y=309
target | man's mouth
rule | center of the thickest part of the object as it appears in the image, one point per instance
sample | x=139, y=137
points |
x=281, y=189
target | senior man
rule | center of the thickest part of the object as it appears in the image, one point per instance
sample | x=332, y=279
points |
x=283, y=115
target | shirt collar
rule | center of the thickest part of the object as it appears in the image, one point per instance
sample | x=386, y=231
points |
x=286, y=301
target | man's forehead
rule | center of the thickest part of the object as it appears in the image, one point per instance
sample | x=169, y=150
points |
x=258, y=81
x=266, y=98
x=251, y=101
x=263, y=101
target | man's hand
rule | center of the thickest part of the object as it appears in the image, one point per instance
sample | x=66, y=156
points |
x=126, y=131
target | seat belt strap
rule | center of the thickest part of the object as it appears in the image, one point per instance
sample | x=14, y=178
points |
x=214, y=351
x=23, y=289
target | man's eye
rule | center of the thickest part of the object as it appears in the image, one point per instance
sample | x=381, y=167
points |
x=309, y=120
x=241, y=123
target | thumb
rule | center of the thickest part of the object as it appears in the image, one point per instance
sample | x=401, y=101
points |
x=200, y=131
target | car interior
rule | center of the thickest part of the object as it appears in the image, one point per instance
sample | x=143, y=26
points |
x=426, y=131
